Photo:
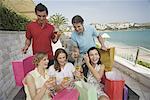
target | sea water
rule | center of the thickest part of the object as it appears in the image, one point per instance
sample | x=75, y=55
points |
x=131, y=38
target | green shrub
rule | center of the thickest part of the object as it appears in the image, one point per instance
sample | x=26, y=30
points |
x=9, y=20
x=145, y=64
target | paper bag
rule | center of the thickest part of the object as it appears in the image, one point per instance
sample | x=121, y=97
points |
x=114, y=85
x=87, y=91
x=21, y=68
x=107, y=58
x=125, y=93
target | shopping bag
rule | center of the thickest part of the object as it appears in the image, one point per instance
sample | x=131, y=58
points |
x=67, y=94
x=114, y=85
x=125, y=93
x=107, y=58
x=21, y=68
x=87, y=91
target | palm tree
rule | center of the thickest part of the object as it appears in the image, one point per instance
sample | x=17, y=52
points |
x=58, y=20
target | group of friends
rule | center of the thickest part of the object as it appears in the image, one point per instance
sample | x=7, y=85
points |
x=54, y=71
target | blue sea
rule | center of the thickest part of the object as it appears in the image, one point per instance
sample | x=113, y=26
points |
x=131, y=38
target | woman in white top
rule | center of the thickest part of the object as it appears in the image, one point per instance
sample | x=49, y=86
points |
x=61, y=69
x=96, y=71
x=36, y=82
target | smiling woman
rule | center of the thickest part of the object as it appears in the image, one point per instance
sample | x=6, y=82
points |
x=61, y=68
x=36, y=82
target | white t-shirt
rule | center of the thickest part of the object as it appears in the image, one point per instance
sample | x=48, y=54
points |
x=66, y=72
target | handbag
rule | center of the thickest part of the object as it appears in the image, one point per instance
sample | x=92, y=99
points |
x=107, y=58
x=87, y=91
x=21, y=68
x=114, y=85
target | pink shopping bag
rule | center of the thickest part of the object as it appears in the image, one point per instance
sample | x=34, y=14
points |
x=65, y=94
x=21, y=68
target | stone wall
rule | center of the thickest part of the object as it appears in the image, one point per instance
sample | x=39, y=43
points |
x=11, y=43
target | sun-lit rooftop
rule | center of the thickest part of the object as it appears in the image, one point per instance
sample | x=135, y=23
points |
x=22, y=7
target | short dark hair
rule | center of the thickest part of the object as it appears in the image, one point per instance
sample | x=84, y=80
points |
x=40, y=7
x=77, y=19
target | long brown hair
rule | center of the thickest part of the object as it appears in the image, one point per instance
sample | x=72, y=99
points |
x=56, y=64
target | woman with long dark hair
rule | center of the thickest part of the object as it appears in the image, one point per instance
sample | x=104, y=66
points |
x=95, y=72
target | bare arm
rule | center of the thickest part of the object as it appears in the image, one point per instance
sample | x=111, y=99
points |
x=100, y=39
x=27, y=44
x=93, y=71
x=97, y=74
x=32, y=88
x=101, y=71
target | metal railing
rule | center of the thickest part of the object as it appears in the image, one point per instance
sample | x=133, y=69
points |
x=137, y=55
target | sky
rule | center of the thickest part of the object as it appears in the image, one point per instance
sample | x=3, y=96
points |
x=101, y=11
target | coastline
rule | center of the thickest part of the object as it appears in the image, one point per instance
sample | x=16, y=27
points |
x=131, y=37
x=123, y=30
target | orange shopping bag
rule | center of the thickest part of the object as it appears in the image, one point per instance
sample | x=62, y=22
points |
x=107, y=58
x=114, y=85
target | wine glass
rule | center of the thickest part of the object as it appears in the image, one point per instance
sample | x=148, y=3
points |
x=78, y=72
x=52, y=80
x=68, y=80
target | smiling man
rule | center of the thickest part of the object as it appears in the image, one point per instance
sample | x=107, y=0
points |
x=41, y=34
x=84, y=36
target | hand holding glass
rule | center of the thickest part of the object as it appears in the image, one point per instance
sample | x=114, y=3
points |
x=78, y=72
x=52, y=85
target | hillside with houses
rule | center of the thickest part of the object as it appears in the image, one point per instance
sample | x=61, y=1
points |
x=120, y=26
x=112, y=26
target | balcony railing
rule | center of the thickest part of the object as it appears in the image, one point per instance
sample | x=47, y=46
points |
x=137, y=55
